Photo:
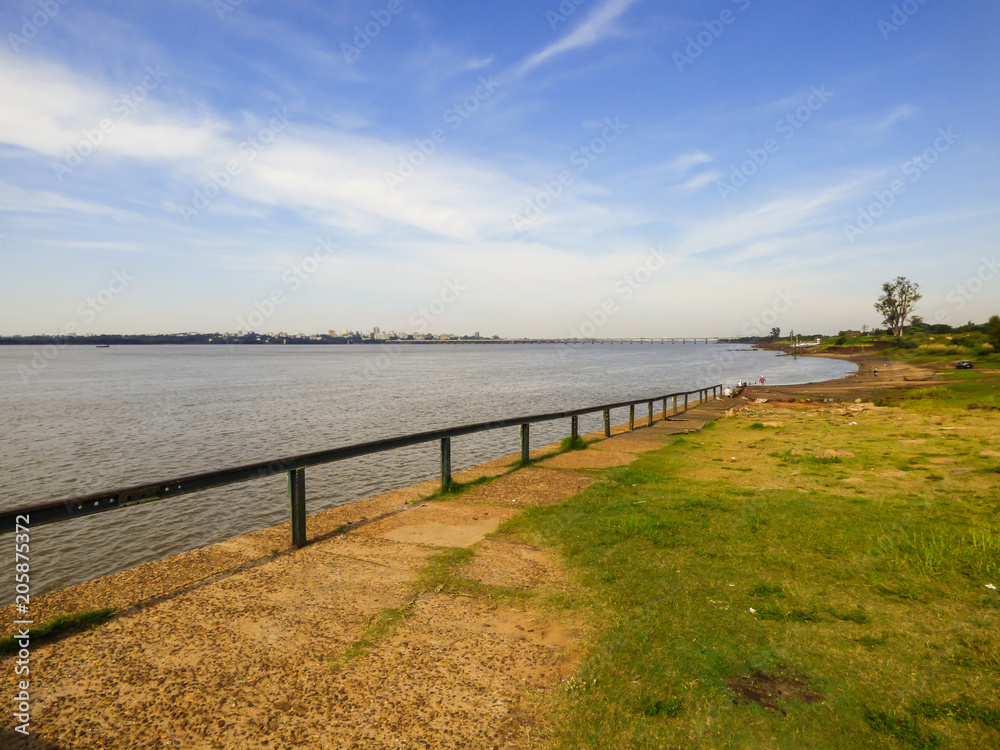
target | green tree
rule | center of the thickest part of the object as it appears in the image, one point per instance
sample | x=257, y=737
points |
x=898, y=300
x=993, y=331
x=775, y=333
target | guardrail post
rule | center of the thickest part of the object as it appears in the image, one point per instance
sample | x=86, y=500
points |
x=297, y=492
x=574, y=428
x=631, y=417
x=664, y=408
x=685, y=403
x=525, y=450
x=607, y=423
x=675, y=406
x=650, y=413
x=445, y=464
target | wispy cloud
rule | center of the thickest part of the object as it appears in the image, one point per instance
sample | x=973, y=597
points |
x=595, y=27
x=902, y=112
x=684, y=162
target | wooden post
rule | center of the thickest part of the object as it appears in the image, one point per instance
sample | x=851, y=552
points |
x=525, y=450
x=607, y=423
x=631, y=417
x=664, y=405
x=445, y=464
x=675, y=406
x=685, y=403
x=574, y=429
x=297, y=492
x=650, y=413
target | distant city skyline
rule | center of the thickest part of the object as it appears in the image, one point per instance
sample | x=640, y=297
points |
x=607, y=168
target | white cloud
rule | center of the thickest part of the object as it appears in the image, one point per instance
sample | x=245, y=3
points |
x=685, y=161
x=48, y=109
x=698, y=181
x=595, y=27
x=902, y=112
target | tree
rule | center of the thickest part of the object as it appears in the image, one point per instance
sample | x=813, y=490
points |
x=993, y=331
x=775, y=333
x=898, y=300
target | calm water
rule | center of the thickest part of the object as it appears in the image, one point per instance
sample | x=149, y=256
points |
x=96, y=419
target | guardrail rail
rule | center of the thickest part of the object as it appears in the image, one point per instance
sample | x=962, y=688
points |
x=295, y=466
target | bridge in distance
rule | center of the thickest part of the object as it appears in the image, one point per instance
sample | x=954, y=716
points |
x=641, y=340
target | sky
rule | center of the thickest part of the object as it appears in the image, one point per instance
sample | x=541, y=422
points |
x=526, y=168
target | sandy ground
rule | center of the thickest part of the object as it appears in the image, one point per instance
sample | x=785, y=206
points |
x=236, y=645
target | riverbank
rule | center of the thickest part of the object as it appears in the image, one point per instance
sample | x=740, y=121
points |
x=250, y=644
x=371, y=636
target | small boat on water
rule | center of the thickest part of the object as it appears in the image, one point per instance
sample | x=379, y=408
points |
x=103, y=346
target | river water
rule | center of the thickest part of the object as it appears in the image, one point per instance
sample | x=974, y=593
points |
x=94, y=419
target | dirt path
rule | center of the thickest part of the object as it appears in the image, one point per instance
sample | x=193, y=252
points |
x=234, y=646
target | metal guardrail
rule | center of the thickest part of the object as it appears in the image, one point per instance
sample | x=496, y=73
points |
x=295, y=466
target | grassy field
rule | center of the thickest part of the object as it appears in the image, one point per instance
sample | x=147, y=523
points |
x=813, y=576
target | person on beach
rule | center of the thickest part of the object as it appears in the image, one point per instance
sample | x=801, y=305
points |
x=762, y=380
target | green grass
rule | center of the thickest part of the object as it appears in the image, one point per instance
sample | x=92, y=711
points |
x=866, y=582
x=381, y=626
x=456, y=488
x=440, y=575
x=570, y=443
x=58, y=627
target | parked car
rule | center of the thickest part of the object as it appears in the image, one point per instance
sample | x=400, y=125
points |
x=964, y=365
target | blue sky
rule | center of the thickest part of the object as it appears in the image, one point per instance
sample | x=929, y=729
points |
x=607, y=167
